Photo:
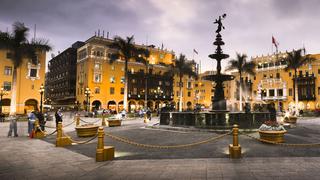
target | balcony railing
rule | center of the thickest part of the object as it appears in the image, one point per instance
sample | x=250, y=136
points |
x=272, y=98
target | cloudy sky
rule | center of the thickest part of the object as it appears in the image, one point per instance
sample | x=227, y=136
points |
x=181, y=25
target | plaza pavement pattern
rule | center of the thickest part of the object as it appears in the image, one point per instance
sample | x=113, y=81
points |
x=25, y=158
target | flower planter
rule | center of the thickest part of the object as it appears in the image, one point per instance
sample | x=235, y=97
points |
x=291, y=119
x=274, y=136
x=114, y=122
x=87, y=130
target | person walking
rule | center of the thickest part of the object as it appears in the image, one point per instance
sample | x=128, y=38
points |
x=31, y=121
x=149, y=114
x=13, y=126
x=58, y=115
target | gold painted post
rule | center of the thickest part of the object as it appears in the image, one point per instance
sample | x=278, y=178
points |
x=38, y=133
x=62, y=140
x=103, y=153
x=77, y=118
x=103, y=121
x=235, y=148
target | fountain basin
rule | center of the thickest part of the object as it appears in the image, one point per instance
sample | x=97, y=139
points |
x=273, y=136
x=87, y=130
x=215, y=119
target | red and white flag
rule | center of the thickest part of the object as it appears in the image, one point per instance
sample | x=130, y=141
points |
x=275, y=42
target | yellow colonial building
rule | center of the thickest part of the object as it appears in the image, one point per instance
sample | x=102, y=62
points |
x=272, y=84
x=29, y=79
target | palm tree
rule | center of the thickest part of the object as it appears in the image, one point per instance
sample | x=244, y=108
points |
x=143, y=55
x=242, y=66
x=294, y=60
x=183, y=67
x=18, y=44
x=126, y=50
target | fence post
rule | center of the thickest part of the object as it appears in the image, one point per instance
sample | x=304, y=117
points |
x=38, y=133
x=235, y=148
x=103, y=153
x=62, y=140
x=103, y=121
x=77, y=119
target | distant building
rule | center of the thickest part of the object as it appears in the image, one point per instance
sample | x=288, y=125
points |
x=29, y=79
x=61, y=78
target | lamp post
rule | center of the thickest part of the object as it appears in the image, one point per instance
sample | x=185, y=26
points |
x=87, y=93
x=3, y=92
x=41, y=90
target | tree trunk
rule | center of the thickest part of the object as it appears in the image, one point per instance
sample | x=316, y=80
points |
x=125, y=94
x=240, y=93
x=296, y=92
x=13, y=102
x=180, y=94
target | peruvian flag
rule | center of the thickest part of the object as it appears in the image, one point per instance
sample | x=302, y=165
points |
x=275, y=42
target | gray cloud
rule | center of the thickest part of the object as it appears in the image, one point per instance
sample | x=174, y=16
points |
x=180, y=25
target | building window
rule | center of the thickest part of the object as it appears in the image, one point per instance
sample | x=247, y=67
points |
x=111, y=90
x=135, y=91
x=133, y=81
x=318, y=90
x=280, y=92
x=271, y=75
x=290, y=92
x=122, y=91
x=290, y=74
x=97, y=77
x=7, y=86
x=9, y=55
x=7, y=70
x=97, y=90
x=254, y=77
x=177, y=93
x=160, y=83
x=97, y=66
x=33, y=72
x=318, y=71
x=189, y=85
x=271, y=92
x=112, y=79
x=264, y=75
x=112, y=67
x=189, y=94
x=278, y=75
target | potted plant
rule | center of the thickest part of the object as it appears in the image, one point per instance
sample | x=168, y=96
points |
x=87, y=130
x=272, y=131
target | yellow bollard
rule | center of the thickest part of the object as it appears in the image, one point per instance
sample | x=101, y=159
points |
x=38, y=134
x=235, y=148
x=77, y=118
x=62, y=140
x=103, y=153
x=103, y=121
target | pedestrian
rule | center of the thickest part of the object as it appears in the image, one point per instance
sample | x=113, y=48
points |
x=123, y=113
x=13, y=126
x=58, y=115
x=31, y=121
x=41, y=119
x=149, y=114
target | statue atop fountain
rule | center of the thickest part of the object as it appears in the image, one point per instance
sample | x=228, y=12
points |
x=218, y=100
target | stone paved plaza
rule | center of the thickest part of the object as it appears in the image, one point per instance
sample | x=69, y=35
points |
x=25, y=158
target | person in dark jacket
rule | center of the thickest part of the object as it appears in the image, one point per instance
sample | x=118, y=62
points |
x=58, y=115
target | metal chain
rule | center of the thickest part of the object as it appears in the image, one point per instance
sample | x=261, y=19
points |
x=125, y=140
x=53, y=127
x=81, y=142
x=281, y=144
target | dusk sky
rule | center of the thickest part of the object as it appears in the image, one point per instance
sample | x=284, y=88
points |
x=181, y=25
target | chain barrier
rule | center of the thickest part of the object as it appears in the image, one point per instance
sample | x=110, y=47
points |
x=54, y=127
x=281, y=144
x=125, y=140
x=46, y=135
x=81, y=142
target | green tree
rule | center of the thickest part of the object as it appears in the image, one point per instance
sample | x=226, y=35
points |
x=126, y=50
x=19, y=46
x=242, y=66
x=183, y=67
x=294, y=61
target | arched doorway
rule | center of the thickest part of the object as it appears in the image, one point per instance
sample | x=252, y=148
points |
x=140, y=105
x=96, y=104
x=132, y=106
x=31, y=105
x=112, y=106
x=120, y=106
x=6, y=105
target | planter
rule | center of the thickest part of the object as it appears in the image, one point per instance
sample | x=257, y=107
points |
x=87, y=130
x=291, y=119
x=274, y=136
x=114, y=122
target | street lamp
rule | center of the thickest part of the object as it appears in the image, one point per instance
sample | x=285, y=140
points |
x=3, y=92
x=87, y=93
x=41, y=90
